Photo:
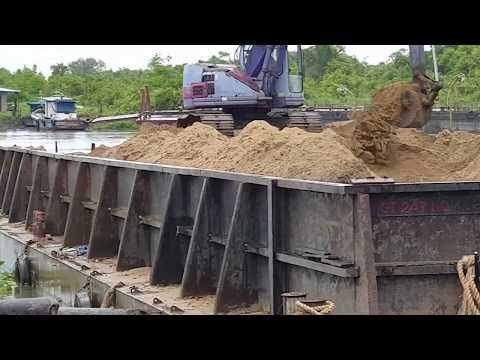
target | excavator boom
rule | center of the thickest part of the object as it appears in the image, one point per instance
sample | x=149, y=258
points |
x=417, y=59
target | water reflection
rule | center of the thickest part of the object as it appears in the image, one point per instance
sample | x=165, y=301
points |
x=68, y=141
x=51, y=284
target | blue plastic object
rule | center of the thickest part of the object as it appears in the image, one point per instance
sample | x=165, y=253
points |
x=82, y=250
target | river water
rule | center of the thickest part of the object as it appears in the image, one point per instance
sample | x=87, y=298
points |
x=67, y=141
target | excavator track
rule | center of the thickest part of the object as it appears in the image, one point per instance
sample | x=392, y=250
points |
x=223, y=123
x=310, y=121
x=226, y=124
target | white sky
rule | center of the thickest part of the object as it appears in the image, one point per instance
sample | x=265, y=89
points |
x=13, y=57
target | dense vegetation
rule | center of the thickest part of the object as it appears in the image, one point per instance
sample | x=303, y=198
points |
x=332, y=77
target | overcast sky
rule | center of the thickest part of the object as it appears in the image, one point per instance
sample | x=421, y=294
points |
x=13, y=57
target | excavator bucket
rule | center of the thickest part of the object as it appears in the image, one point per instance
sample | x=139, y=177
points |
x=417, y=103
x=399, y=105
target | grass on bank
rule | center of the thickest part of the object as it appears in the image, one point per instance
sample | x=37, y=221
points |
x=115, y=126
x=7, y=282
x=8, y=121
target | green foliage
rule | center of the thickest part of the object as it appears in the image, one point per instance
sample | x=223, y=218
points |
x=97, y=91
x=166, y=82
x=7, y=282
x=8, y=121
x=332, y=77
x=59, y=69
x=221, y=58
x=83, y=66
x=343, y=79
x=6, y=116
x=341, y=71
x=318, y=57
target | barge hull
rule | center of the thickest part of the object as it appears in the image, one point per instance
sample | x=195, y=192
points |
x=246, y=239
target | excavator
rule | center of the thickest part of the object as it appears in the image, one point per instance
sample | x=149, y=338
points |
x=264, y=85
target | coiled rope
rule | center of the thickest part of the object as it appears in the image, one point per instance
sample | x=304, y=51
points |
x=325, y=309
x=471, y=296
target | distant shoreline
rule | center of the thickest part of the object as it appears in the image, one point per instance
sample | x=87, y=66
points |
x=16, y=124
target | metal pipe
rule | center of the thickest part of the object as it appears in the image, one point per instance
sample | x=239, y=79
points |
x=266, y=79
x=29, y=306
x=458, y=77
x=417, y=59
x=99, y=311
x=435, y=67
x=300, y=61
x=50, y=306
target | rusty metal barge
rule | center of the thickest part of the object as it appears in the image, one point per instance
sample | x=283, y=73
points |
x=220, y=242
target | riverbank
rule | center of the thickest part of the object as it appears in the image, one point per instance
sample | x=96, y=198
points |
x=7, y=122
x=115, y=126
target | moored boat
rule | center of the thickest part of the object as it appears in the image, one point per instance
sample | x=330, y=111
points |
x=57, y=113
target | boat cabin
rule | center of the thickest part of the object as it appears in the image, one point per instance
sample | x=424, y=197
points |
x=59, y=105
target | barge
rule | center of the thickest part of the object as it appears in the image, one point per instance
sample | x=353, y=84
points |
x=239, y=241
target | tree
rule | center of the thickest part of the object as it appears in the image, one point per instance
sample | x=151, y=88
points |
x=221, y=58
x=30, y=83
x=59, y=69
x=86, y=66
x=332, y=77
x=158, y=60
x=318, y=56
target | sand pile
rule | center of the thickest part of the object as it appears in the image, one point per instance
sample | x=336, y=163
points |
x=381, y=141
x=403, y=105
x=448, y=156
x=259, y=149
x=293, y=153
x=416, y=156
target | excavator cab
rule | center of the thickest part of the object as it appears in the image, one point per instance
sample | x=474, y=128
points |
x=262, y=80
x=272, y=61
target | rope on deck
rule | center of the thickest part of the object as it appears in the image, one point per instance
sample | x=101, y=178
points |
x=317, y=310
x=471, y=296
